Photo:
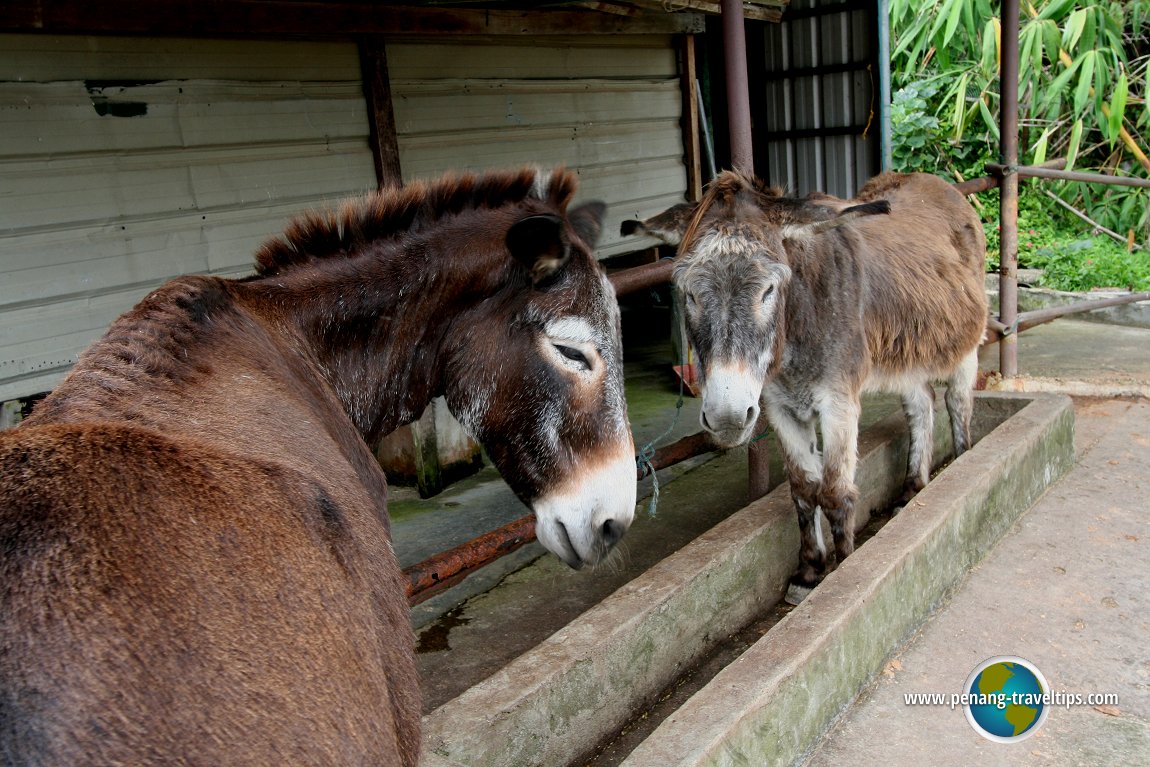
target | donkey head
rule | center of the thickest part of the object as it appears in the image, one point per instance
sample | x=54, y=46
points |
x=734, y=268
x=536, y=373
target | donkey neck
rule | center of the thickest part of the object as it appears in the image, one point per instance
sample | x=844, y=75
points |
x=375, y=323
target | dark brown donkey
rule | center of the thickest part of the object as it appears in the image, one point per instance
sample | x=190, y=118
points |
x=195, y=565
x=803, y=304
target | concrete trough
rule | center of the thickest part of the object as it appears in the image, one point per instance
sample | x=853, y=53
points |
x=555, y=703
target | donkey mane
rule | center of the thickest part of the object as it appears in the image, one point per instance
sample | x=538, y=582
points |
x=773, y=203
x=388, y=212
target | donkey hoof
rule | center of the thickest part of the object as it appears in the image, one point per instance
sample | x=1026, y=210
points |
x=796, y=593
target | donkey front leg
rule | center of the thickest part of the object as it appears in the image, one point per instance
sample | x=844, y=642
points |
x=803, y=464
x=839, y=419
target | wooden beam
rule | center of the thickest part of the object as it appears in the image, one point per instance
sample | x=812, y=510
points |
x=692, y=145
x=758, y=10
x=314, y=18
x=380, y=112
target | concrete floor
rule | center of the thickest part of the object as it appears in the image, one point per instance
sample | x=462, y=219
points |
x=1069, y=590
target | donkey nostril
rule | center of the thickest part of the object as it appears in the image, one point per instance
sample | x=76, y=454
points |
x=612, y=532
x=706, y=423
x=752, y=414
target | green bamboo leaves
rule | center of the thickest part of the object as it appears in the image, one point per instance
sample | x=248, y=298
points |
x=1082, y=81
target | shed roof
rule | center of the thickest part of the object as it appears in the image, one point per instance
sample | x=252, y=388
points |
x=345, y=18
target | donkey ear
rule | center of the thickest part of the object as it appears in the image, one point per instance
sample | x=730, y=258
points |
x=804, y=231
x=587, y=221
x=668, y=226
x=537, y=243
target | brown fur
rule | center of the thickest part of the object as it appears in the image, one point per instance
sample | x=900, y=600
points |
x=195, y=565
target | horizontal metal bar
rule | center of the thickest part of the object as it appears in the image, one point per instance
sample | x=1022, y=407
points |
x=976, y=185
x=823, y=69
x=642, y=277
x=1031, y=171
x=1028, y=320
x=447, y=568
x=824, y=132
x=676, y=452
x=443, y=570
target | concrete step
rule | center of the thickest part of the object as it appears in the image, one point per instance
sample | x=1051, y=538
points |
x=554, y=704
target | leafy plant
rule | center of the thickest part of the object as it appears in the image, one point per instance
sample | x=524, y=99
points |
x=1082, y=92
x=1096, y=262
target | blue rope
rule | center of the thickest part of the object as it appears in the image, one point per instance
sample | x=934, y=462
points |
x=643, y=459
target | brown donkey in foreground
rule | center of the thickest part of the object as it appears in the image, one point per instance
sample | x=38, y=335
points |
x=195, y=564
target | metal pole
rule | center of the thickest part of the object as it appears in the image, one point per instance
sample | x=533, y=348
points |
x=1038, y=171
x=642, y=277
x=738, y=89
x=1008, y=209
x=884, y=95
x=742, y=158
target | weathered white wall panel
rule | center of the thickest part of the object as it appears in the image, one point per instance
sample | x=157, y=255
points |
x=125, y=162
x=608, y=107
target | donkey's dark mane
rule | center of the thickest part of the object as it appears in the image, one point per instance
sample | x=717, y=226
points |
x=388, y=212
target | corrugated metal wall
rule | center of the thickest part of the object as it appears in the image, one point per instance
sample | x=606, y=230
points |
x=127, y=161
x=608, y=107
x=124, y=162
x=821, y=99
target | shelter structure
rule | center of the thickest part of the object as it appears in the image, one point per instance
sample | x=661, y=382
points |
x=146, y=140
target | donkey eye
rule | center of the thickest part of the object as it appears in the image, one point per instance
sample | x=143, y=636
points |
x=574, y=355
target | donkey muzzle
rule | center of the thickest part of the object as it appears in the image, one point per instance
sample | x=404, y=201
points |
x=581, y=521
x=730, y=403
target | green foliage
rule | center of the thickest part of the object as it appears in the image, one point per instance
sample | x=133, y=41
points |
x=1095, y=262
x=1053, y=240
x=1082, y=96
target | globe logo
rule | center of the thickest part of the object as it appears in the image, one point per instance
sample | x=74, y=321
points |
x=1008, y=699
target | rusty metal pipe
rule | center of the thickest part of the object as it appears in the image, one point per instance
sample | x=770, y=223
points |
x=449, y=567
x=1027, y=320
x=1035, y=171
x=738, y=87
x=676, y=452
x=642, y=277
x=443, y=570
x=1008, y=213
x=976, y=185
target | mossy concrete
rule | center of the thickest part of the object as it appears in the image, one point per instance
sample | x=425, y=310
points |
x=773, y=703
x=552, y=704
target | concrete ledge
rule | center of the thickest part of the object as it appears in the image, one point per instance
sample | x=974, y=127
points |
x=772, y=704
x=553, y=704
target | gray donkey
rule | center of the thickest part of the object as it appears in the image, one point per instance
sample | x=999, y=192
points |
x=803, y=304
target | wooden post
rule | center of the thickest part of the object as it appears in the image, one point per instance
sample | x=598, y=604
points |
x=380, y=113
x=692, y=145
